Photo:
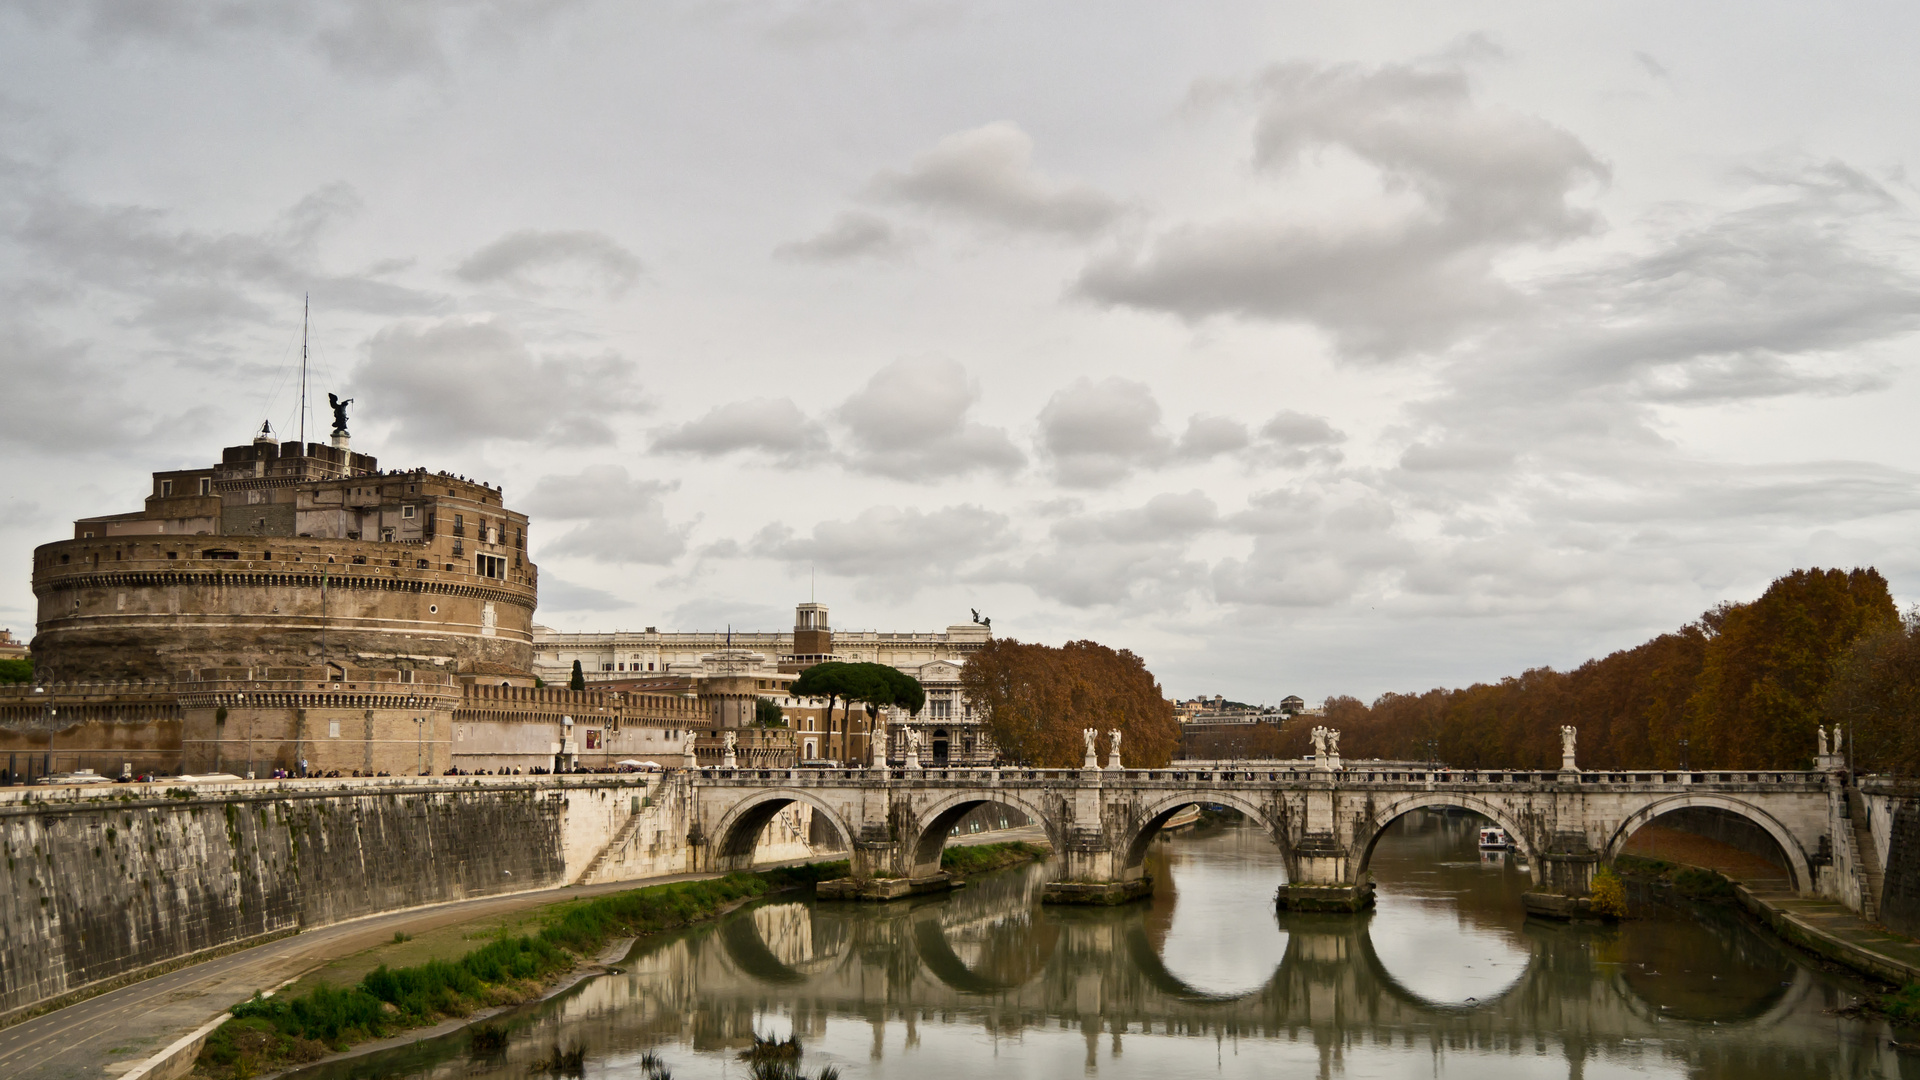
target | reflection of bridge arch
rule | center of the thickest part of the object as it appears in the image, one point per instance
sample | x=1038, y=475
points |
x=747, y=948
x=1799, y=867
x=1418, y=1002
x=740, y=827
x=943, y=962
x=1400, y=808
x=1158, y=812
x=939, y=818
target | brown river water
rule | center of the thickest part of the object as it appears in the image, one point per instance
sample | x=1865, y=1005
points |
x=1445, y=978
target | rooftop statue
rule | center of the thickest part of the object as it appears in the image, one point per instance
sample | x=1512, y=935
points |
x=339, y=413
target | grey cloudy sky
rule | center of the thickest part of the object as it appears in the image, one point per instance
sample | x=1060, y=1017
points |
x=1302, y=348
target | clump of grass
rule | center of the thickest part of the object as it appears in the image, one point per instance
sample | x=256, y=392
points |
x=1903, y=1005
x=652, y=1068
x=775, y=1059
x=569, y=1062
x=1697, y=884
x=401, y=937
x=487, y=1040
x=980, y=858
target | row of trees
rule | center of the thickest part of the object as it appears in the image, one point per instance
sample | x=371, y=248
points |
x=1742, y=687
x=1036, y=699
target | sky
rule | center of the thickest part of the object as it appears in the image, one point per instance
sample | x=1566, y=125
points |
x=1299, y=348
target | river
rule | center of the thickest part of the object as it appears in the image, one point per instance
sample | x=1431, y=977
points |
x=1445, y=978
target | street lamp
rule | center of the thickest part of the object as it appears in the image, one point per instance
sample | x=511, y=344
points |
x=419, y=745
x=51, y=713
x=1684, y=767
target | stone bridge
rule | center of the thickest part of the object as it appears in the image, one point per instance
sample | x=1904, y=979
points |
x=1325, y=821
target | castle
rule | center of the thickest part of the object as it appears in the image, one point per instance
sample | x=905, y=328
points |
x=296, y=608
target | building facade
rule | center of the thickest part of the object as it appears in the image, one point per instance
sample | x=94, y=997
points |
x=948, y=729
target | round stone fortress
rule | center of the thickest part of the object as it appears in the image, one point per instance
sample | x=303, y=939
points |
x=283, y=557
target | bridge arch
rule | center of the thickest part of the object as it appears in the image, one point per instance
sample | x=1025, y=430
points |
x=1427, y=800
x=1799, y=866
x=937, y=818
x=1157, y=812
x=739, y=828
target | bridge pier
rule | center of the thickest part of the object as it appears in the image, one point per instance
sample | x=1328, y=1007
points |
x=1565, y=880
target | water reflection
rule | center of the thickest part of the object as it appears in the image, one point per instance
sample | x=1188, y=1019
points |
x=1445, y=978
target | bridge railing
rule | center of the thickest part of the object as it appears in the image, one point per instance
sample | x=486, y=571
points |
x=1350, y=777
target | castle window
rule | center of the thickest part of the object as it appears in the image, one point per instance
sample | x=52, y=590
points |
x=386, y=535
x=458, y=548
x=166, y=488
x=492, y=566
x=459, y=525
x=206, y=485
x=406, y=511
x=420, y=564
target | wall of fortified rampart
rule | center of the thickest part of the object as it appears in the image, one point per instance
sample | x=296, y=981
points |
x=104, y=882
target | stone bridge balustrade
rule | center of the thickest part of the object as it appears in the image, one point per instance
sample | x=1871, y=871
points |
x=1325, y=821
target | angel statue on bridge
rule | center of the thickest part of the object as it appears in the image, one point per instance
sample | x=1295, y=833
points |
x=1319, y=742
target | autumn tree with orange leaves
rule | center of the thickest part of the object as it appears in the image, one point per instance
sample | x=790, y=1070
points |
x=1036, y=699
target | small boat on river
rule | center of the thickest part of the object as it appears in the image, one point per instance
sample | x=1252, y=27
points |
x=1494, y=838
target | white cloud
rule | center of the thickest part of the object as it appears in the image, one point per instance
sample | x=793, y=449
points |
x=622, y=518
x=462, y=382
x=851, y=235
x=898, y=549
x=534, y=261
x=773, y=426
x=986, y=175
x=910, y=423
x=1463, y=184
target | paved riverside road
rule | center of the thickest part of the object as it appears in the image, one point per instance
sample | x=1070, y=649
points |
x=84, y=1040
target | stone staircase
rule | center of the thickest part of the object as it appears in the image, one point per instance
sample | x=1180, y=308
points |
x=614, y=846
x=1865, y=856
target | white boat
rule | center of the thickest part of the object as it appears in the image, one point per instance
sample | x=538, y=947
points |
x=1494, y=838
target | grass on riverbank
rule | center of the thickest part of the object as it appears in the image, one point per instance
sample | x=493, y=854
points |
x=1692, y=882
x=981, y=858
x=270, y=1033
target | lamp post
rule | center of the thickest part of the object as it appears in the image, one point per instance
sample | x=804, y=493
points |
x=1433, y=757
x=419, y=745
x=1684, y=766
x=51, y=714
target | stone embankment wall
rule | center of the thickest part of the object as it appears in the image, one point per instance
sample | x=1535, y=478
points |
x=102, y=882
x=1893, y=817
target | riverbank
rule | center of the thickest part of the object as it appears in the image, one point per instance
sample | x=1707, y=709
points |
x=1703, y=869
x=290, y=1029
x=986, y=858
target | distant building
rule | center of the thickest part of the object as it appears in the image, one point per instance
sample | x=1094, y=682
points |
x=950, y=732
x=11, y=649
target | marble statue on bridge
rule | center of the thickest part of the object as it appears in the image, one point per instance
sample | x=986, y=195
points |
x=1113, y=749
x=1091, y=735
x=1568, y=735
